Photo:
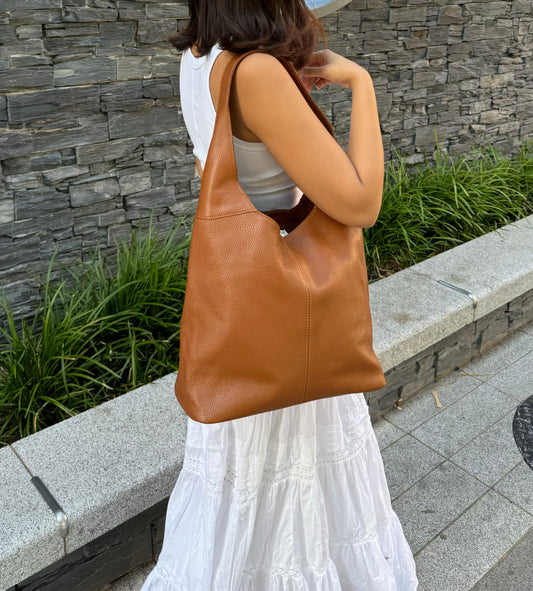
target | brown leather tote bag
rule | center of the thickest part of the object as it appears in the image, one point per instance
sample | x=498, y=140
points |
x=269, y=320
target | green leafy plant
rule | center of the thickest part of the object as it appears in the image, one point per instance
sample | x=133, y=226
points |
x=432, y=208
x=116, y=328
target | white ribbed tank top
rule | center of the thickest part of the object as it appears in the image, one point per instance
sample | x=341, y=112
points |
x=261, y=177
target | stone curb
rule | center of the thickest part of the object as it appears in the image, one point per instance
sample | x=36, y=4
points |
x=109, y=464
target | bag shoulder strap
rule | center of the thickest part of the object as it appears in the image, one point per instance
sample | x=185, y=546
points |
x=220, y=171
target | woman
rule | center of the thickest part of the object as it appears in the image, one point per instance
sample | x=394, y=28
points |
x=293, y=499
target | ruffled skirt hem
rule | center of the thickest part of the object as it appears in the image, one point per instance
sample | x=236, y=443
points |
x=294, y=500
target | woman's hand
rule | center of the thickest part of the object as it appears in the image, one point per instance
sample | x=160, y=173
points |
x=326, y=67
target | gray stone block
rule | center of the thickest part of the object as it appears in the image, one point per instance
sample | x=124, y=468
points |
x=23, y=78
x=85, y=133
x=478, y=538
x=520, y=311
x=491, y=455
x=71, y=30
x=111, y=218
x=115, y=33
x=7, y=210
x=85, y=14
x=513, y=572
x=134, y=181
x=154, y=120
x=15, y=143
x=21, y=48
x=515, y=380
x=456, y=349
x=62, y=173
x=85, y=71
x=166, y=10
x=30, y=4
x=27, y=180
x=166, y=153
x=55, y=104
x=458, y=424
x=33, y=203
x=28, y=17
x=88, y=193
x=155, y=31
x=18, y=61
x=98, y=152
x=153, y=198
x=123, y=92
x=401, y=471
x=165, y=66
x=30, y=31
x=157, y=89
x=436, y=500
x=69, y=48
x=131, y=10
x=134, y=67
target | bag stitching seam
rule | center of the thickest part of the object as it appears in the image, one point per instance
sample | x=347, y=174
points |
x=308, y=288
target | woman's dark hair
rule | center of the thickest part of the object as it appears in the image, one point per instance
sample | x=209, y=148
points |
x=284, y=28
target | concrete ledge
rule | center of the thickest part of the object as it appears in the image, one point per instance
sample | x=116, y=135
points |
x=109, y=465
x=411, y=310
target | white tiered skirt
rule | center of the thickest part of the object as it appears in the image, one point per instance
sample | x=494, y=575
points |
x=294, y=499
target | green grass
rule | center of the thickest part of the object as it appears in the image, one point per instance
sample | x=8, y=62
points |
x=431, y=208
x=115, y=329
x=107, y=329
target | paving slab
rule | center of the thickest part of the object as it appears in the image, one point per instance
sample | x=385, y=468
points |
x=386, y=433
x=466, y=550
x=434, y=501
x=406, y=461
x=492, y=454
x=528, y=329
x=518, y=486
x=421, y=407
x=461, y=422
x=514, y=571
x=516, y=379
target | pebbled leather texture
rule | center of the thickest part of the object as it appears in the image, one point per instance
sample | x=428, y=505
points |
x=269, y=321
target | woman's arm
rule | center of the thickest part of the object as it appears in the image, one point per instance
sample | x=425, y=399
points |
x=347, y=186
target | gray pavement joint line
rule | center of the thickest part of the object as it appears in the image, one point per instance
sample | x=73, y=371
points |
x=487, y=428
x=489, y=488
x=449, y=459
x=517, y=543
x=450, y=523
x=48, y=497
x=439, y=411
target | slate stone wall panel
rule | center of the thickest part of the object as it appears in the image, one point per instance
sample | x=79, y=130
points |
x=91, y=129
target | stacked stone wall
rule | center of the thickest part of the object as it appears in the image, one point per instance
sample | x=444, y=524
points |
x=92, y=138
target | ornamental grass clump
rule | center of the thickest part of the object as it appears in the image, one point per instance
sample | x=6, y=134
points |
x=432, y=208
x=106, y=330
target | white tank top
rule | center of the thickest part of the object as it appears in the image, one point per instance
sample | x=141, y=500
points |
x=261, y=177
